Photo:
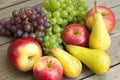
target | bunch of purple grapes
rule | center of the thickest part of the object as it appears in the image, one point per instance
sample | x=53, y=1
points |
x=26, y=22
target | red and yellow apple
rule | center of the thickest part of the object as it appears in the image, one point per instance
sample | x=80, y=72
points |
x=75, y=34
x=48, y=68
x=108, y=15
x=23, y=53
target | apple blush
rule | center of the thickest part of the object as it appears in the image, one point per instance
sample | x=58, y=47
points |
x=75, y=34
x=23, y=53
x=48, y=68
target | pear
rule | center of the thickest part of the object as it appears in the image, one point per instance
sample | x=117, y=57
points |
x=97, y=61
x=99, y=37
x=71, y=65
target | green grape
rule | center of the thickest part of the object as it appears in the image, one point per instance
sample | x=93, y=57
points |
x=64, y=14
x=49, y=14
x=56, y=4
x=70, y=18
x=73, y=13
x=46, y=44
x=56, y=29
x=56, y=14
x=65, y=22
x=59, y=20
x=69, y=9
x=53, y=20
x=68, y=2
x=46, y=38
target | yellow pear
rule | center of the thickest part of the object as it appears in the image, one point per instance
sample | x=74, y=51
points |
x=97, y=61
x=71, y=65
x=99, y=37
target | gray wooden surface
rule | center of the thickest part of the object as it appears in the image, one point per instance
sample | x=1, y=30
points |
x=8, y=72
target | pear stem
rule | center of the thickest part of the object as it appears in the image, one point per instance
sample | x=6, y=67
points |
x=95, y=4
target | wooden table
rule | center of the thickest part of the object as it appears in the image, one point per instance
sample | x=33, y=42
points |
x=8, y=72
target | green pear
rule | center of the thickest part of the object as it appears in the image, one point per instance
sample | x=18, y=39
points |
x=97, y=61
x=71, y=65
x=99, y=37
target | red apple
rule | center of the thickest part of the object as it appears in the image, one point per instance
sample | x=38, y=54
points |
x=108, y=16
x=23, y=53
x=48, y=68
x=75, y=34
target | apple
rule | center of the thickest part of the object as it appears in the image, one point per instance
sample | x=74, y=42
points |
x=48, y=68
x=23, y=53
x=75, y=34
x=108, y=15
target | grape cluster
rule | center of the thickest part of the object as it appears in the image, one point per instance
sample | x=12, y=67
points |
x=26, y=22
x=60, y=13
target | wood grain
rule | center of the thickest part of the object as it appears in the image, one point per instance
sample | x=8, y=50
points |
x=8, y=72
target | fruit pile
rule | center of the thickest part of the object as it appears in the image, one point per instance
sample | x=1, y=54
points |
x=66, y=28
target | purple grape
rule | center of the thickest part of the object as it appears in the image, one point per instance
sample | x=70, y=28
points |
x=42, y=14
x=2, y=22
x=27, y=27
x=47, y=24
x=37, y=9
x=1, y=27
x=41, y=28
x=7, y=32
x=15, y=13
x=32, y=35
x=25, y=35
x=2, y=32
x=13, y=29
x=33, y=16
x=28, y=12
x=41, y=34
x=40, y=39
x=12, y=20
x=19, y=33
x=34, y=23
x=23, y=16
x=18, y=20
x=40, y=21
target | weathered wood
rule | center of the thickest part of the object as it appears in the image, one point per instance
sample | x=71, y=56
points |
x=113, y=74
x=8, y=72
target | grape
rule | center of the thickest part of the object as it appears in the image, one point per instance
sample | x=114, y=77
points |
x=32, y=35
x=41, y=27
x=15, y=13
x=47, y=24
x=23, y=16
x=19, y=33
x=60, y=13
x=25, y=35
x=27, y=27
x=13, y=29
x=1, y=27
x=26, y=22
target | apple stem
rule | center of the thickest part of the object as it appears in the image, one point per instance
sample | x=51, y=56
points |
x=95, y=4
x=49, y=64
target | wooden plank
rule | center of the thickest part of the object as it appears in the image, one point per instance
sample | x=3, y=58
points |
x=113, y=74
x=107, y=3
x=7, y=3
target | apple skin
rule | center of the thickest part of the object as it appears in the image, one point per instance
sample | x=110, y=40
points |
x=23, y=53
x=108, y=16
x=48, y=68
x=75, y=34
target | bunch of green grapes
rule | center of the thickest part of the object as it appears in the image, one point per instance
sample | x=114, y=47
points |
x=60, y=13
